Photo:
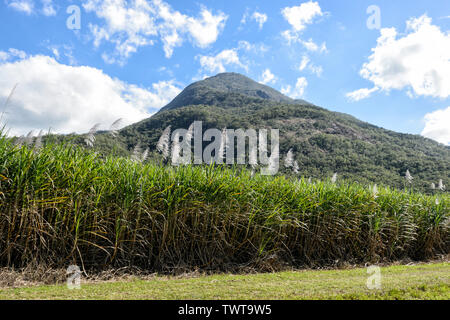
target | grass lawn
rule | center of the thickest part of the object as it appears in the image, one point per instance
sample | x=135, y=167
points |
x=424, y=281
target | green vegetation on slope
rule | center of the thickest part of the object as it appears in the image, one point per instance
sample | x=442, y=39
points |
x=63, y=204
x=429, y=281
x=324, y=142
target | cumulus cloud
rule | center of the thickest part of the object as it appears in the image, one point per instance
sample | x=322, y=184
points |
x=306, y=64
x=25, y=6
x=260, y=18
x=28, y=6
x=62, y=52
x=256, y=48
x=300, y=16
x=11, y=54
x=437, y=126
x=360, y=94
x=267, y=77
x=244, y=17
x=247, y=46
x=47, y=8
x=72, y=98
x=418, y=60
x=294, y=37
x=130, y=25
x=298, y=91
x=218, y=63
x=229, y=58
x=161, y=94
x=310, y=45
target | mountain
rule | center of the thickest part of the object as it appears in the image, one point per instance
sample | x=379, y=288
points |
x=227, y=90
x=324, y=142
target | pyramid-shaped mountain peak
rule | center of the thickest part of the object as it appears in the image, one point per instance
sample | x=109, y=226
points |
x=227, y=89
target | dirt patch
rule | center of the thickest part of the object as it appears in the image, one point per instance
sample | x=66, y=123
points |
x=41, y=275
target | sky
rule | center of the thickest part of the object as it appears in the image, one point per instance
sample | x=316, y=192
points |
x=67, y=65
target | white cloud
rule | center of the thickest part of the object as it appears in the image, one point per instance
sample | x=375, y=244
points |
x=126, y=26
x=229, y=58
x=267, y=77
x=310, y=45
x=26, y=6
x=47, y=8
x=132, y=25
x=298, y=91
x=306, y=64
x=437, y=126
x=245, y=16
x=71, y=98
x=256, y=48
x=300, y=16
x=317, y=70
x=247, y=46
x=218, y=63
x=418, y=61
x=360, y=94
x=55, y=52
x=260, y=18
x=12, y=54
x=161, y=94
x=62, y=53
x=206, y=30
x=294, y=37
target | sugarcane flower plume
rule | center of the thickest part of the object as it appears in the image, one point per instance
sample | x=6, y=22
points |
x=408, y=176
x=334, y=178
x=289, y=160
x=38, y=142
x=441, y=185
x=114, y=129
x=163, y=143
x=90, y=137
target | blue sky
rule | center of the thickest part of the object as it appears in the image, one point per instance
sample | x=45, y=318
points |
x=129, y=58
